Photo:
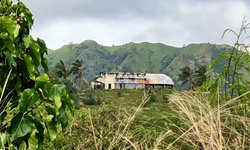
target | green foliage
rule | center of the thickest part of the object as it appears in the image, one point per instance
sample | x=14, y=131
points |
x=31, y=104
x=200, y=75
x=186, y=76
x=193, y=78
x=89, y=97
x=91, y=100
x=234, y=78
x=60, y=70
x=152, y=98
x=76, y=69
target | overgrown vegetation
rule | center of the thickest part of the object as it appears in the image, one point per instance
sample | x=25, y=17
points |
x=88, y=97
x=32, y=105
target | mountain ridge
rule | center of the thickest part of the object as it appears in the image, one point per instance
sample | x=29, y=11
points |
x=136, y=57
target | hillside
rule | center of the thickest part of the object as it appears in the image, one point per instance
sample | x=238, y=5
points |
x=136, y=57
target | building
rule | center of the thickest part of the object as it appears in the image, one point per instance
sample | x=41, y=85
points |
x=131, y=81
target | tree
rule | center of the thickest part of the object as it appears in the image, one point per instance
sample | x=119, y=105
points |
x=186, y=76
x=77, y=69
x=193, y=78
x=60, y=70
x=32, y=105
x=200, y=75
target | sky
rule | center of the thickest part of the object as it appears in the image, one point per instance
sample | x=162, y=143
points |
x=117, y=22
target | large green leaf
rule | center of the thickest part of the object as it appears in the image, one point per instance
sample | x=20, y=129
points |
x=10, y=58
x=33, y=141
x=16, y=31
x=58, y=104
x=42, y=45
x=35, y=53
x=52, y=131
x=34, y=49
x=20, y=126
x=44, y=63
x=62, y=118
x=40, y=129
x=28, y=98
x=41, y=80
x=55, y=90
x=30, y=66
x=9, y=24
x=27, y=41
x=214, y=62
x=69, y=102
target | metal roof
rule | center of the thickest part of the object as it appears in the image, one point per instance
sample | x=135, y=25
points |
x=159, y=79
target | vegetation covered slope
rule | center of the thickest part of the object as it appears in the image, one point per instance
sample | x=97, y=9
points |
x=133, y=57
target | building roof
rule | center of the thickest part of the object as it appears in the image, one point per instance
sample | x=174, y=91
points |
x=159, y=79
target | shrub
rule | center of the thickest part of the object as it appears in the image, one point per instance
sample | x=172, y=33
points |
x=89, y=97
x=152, y=98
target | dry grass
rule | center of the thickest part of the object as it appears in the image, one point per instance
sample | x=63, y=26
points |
x=204, y=127
x=121, y=131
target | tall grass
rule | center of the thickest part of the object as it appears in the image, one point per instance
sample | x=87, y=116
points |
x=199, y=125
x=206, y=127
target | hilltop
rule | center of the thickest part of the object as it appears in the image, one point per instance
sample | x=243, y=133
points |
x=137, y=57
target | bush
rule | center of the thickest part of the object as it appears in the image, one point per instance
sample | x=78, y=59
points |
x=152, y=98
x=92, y=100
x=89, y=97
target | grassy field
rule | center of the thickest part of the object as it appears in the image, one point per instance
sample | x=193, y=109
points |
x=139, y=119
x=143, y=117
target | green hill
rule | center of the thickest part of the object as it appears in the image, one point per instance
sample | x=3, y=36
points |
x=136, y=57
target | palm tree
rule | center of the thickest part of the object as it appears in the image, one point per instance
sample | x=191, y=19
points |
x=186, y=76
x=200, y=75
x=60, y=70
x=77, y=69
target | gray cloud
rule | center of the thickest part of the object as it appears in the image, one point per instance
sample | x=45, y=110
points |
x=105, y=9
x=117, y=21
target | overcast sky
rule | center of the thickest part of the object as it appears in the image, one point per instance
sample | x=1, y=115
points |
x=108, y=22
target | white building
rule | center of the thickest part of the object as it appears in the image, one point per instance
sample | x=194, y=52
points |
x=131, y=81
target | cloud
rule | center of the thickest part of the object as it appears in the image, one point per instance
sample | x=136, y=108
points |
x=117, y=21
